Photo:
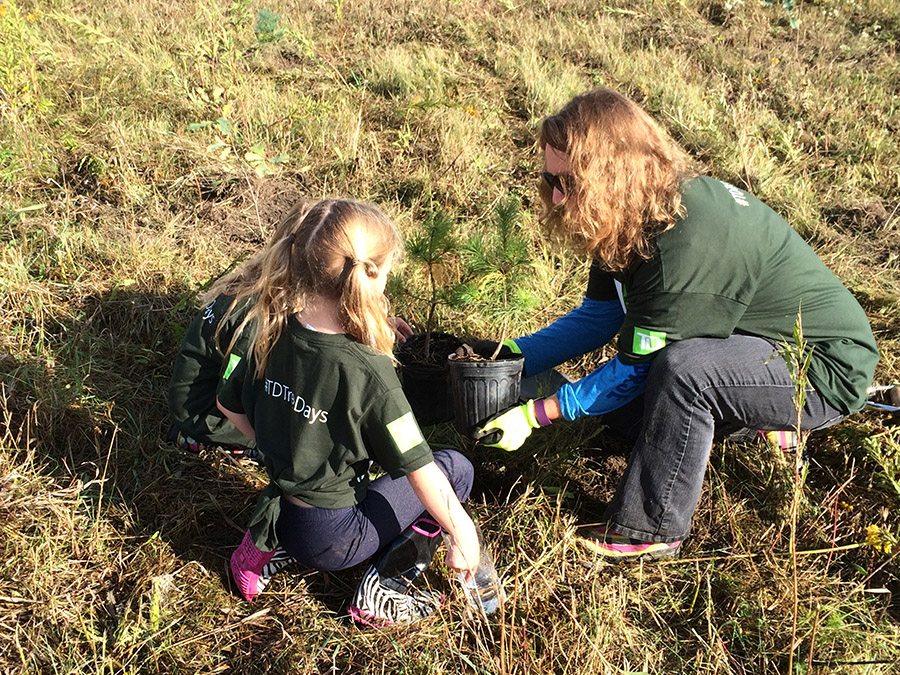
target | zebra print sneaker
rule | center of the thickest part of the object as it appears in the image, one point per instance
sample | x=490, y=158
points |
x=253, y=569
x=374, y=604
x=244, y=455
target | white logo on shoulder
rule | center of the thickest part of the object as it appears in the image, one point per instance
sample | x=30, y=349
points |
x=298, y=403
x=739, y=196
x=208, y=314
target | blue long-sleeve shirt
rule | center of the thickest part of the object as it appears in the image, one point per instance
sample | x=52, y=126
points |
x=609, y=387
x=586, y=328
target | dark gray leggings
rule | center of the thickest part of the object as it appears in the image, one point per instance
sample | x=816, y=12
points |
x=334, y=539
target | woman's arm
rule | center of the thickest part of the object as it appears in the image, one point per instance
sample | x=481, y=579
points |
x=437, y=496
x=610, y=386
x=240, y=420
x=584, y=329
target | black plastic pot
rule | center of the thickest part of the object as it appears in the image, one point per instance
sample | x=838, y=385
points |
x=481, y=389
x=427, y=386
x=428, y=390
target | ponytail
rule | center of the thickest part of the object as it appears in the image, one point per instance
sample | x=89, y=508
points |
x=364, y=310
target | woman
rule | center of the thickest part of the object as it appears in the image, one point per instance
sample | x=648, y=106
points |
x=701, y=281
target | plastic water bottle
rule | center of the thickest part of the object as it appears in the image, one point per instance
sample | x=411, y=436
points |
x=483, y=589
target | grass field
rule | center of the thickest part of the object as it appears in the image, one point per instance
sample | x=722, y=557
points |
x=146, y=147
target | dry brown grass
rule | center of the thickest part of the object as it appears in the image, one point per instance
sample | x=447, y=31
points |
x=115, y=212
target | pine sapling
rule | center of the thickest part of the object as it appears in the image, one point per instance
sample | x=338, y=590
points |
x=429, y=248
x=497, y=263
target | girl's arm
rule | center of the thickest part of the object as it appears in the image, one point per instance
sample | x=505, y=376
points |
x=437, y=496
x=402, y=330
x=241, y=421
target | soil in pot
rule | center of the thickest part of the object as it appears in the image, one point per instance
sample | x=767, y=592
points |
x=481, y=388
x=425, y=377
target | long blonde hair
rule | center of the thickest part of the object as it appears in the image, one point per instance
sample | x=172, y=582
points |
x=627, y=176
x=334, y=251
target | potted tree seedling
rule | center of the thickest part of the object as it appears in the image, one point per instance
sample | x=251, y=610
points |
x=497, y=262
x=423, y=357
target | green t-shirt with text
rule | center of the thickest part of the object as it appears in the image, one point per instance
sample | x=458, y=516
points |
x=734, y=266
x=326, y=408
x=197, y=371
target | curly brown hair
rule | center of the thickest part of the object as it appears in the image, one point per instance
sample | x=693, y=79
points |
x=626, y=182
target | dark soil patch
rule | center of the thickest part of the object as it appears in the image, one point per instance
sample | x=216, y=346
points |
x=249, y=215
x=863, y=217
x=412, y=352
x=239, y=214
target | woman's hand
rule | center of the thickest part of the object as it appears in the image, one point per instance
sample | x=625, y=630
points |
x=402, y=330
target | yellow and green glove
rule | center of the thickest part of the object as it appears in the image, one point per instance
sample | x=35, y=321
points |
x=509, y=429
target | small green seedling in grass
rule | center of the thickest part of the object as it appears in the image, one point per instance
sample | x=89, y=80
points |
x=228, y=142
x=789, y=7
x=498, y=262
x=267, y=29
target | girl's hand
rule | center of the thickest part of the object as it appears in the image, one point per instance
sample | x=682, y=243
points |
x=402, y=330
x=463, y=550
x=434, y=491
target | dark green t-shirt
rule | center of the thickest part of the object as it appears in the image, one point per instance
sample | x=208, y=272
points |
x=325, y=409
x=733, y=265
x=196, y=374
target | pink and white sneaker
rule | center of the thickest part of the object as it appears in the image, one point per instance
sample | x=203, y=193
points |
x=788, y=441
x=252, y=569
x=615, y=546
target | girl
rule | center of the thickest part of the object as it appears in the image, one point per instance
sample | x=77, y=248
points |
x=701, y=281
x=321, y=397
x=197, y=423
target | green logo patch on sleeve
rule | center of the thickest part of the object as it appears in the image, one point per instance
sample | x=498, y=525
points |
x=233, y=361
x=648, y=341
x=405, y=432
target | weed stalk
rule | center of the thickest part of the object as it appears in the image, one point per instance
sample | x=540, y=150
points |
x=797, y=355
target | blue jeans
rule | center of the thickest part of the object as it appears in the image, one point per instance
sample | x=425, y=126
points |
x=335, y=539
x=695, y=389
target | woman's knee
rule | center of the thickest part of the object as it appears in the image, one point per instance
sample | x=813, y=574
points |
x=458, y=469
x=681, y=364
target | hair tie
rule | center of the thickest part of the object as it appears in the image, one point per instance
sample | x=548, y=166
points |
x=349, y=263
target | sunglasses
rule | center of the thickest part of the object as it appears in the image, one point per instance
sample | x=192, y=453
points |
x=556, y=181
